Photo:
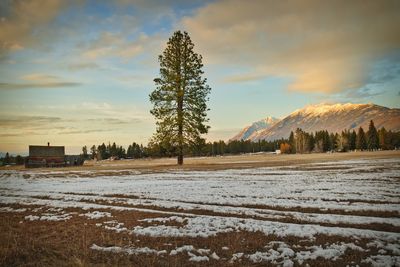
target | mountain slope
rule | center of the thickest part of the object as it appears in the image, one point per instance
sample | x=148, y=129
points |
x=248, y=131
x=331, y=117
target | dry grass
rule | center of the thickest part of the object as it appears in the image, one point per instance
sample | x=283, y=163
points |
x=128, y=167
x=43, y=243
x=67, y=243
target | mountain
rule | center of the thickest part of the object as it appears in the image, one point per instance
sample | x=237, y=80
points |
x=331, y=117
x=251, y=130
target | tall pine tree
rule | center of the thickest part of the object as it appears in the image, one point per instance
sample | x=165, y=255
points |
x=372, y=137
x=352, y=141
x=382, y=135
x=180, y=96
x=361, y=140
x=292, y=143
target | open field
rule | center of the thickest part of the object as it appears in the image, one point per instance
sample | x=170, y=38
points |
x=289, y=210
x=245, y=161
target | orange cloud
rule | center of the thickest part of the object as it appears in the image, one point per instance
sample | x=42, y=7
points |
x=325, y=46
x=22, y=17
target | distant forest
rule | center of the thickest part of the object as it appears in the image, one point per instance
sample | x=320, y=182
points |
x=298, y=142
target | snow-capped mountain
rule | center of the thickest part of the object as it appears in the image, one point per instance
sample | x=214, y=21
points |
x=331, y=117
x=251, y=130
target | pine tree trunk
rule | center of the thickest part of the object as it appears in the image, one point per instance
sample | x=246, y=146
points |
x=180, y=131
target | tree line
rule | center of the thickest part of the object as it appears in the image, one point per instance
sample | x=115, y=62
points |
x=299, y=141
x=323, y=141
x=155, y=150
x=12, y=160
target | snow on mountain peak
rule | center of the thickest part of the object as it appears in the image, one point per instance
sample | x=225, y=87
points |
x=321, y=109
x=262, y=124
x=270, y=120
x=331, y=117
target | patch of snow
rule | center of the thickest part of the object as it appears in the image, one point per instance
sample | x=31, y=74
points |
x=186, y=248
x=236, y=257
x=115, y=226
x=56, y=217
x=206, y=226
x=32, y=218
x=49, y=217
x=9, y=209
x=164, y=219
x=197, y=258
x=284, y=255
x=382, y=260
x=96, y=214
x=128, y=250
x=214, y=256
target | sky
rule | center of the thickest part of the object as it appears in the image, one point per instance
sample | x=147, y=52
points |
x=80, y=72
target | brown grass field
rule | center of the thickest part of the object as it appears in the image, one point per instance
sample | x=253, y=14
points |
x=68, y=242
x=215, y=163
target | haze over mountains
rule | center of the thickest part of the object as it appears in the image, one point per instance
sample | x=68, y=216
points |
x=331, y=117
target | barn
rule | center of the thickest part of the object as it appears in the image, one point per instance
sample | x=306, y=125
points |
x=45, y=156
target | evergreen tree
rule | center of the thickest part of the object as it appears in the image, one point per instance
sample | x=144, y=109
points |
x=19, y=160
x=334, y=138
x=299, y=137
x=382, y=135
x=343, y=141
x=85, y=152
x=102, y=149
x=352, y=141
x=113, y=150
x=361, y=141
x=311, y=142
x=372, y=137
x=292, y=143
x=180, y=96
x=7, y=159
x=93, y=151
x=327, y=141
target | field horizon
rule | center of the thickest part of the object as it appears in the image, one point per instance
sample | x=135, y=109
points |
x=249, y=160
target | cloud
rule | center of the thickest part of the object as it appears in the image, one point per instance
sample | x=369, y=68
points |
x=20, y=21
x=361, y=93
x=30, y=125
x=94, y=106
x=243, y=78
x=36, y=85
x=115, y=121
x=83, y=66
x=37, y=80
x=27, y=121
x=40, y=125
x=322, y=46
x=86, y=131
x=385, y=71
x=109, y=44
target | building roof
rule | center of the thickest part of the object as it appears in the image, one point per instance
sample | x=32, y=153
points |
x=46, y=151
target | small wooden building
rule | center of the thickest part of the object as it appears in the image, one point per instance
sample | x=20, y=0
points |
x=45, y=156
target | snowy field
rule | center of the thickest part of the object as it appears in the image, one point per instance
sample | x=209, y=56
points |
x=332, y=213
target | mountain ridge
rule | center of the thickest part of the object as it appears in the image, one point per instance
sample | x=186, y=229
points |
x=331, y=117
x=255, y=127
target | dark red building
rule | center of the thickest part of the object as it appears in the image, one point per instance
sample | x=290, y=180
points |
x=45, y=156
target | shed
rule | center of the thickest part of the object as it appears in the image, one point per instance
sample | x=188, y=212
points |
x=45, y=156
